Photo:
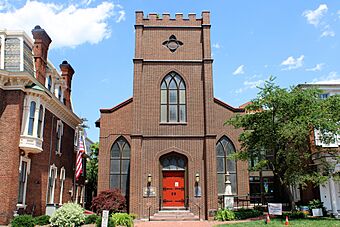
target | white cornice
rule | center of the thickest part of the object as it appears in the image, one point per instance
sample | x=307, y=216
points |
x=20, y=80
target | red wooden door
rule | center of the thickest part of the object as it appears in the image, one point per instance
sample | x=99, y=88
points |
x=173, y=189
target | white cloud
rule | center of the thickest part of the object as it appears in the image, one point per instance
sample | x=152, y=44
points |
x=216, y=45
x=239, y=70
x=330, y=78
x=293, y=63
x=328, y=33
x=250, y=85
x=318, y=67
x=314, y=16
x=68, y=26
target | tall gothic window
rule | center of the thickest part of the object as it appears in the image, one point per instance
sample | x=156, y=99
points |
x=120, y=165
x=31, y=119
x=225, y=148
x=173, y=103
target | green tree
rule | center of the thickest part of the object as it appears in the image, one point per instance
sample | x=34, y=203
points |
x=280, y=123
x=92, y=169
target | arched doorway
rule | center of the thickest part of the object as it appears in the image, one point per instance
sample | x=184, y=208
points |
x=174, y=180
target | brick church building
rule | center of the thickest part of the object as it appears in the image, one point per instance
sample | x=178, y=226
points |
x=37, y=126
x=166, y=147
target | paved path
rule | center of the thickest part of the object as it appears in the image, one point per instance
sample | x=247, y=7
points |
x=182, y=223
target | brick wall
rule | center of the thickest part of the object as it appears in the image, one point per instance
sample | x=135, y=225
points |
x=10, y=125
x=38, y=179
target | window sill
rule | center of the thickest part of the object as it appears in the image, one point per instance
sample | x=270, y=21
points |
x=173, y=123
x=21, y=206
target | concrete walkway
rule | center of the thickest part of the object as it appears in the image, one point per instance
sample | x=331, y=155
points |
x=183, y=223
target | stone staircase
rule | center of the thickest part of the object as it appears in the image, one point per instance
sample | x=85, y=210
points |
x=174, y=215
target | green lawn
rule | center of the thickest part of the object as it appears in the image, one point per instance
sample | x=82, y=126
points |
x=297, y=223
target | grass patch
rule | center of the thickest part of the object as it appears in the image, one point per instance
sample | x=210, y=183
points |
x=328, y=222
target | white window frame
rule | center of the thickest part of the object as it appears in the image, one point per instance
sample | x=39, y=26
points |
x=26, y=116
x=51, y=201
x=61, y=125
x=28, y=161
x=62, y=179
x=319, y=142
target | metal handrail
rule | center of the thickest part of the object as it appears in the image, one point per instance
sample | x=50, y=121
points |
x=197, y=205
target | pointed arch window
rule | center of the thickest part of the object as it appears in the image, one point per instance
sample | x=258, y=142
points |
x=173, y=98
x=224, y=148
x=31, y=119
x=120, y=165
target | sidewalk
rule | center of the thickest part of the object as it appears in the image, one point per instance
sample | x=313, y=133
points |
x=183, y=223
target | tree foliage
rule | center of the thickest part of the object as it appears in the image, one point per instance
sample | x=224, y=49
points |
x=279, y=125
x=92, y=167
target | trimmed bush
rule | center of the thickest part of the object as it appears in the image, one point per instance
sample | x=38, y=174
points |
x=69, y=215
x=42, y=220
x=109, y=223
x=111, y=200
x=122, y=219
x=23, y=220
x=91, y=219
x=247, y=213
x=225, y=215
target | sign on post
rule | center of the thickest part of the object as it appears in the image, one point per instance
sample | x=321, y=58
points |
x=275, y=208
x=105, y=218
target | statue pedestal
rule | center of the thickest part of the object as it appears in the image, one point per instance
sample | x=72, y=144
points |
x=228, y=201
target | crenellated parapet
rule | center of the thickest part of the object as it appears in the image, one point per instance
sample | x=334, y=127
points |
x=179, y=20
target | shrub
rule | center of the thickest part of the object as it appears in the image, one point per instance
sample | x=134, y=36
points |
x=122, y=219
x=247, y=213
x=42, y=220
x=109, y=223
x=294, y=215
x=225, y=215
x=70, y=214
x=91, y=219
x=111, y=200
x=315, y=204
x=23, y=220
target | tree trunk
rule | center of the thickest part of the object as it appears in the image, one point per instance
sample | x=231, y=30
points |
x=288, y=192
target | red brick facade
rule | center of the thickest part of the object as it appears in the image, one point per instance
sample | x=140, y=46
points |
x=138, y=119
x=18, y=90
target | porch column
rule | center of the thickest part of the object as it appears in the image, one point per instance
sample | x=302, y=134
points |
x=332, y=193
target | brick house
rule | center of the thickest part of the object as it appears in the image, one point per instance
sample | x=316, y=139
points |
x=37, y=126
x=329, y=192
x=166, y=147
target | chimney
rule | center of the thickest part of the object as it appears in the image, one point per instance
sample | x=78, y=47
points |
x=67, y=73
x=40, y=50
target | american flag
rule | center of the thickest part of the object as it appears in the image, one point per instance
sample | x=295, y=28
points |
x=79, y=163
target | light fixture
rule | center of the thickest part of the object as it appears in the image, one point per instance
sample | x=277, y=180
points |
x=149, y=178
x=197, y=177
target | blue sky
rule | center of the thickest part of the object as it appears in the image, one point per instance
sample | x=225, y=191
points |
x=295, y=41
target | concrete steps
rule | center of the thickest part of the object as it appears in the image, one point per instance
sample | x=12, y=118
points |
x=174, y=215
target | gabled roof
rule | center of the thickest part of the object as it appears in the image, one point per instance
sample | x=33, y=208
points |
x=229, y=107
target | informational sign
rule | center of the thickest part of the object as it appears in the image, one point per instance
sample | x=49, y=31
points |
x=149, y=191
x=275, y=208
x=105, y=218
